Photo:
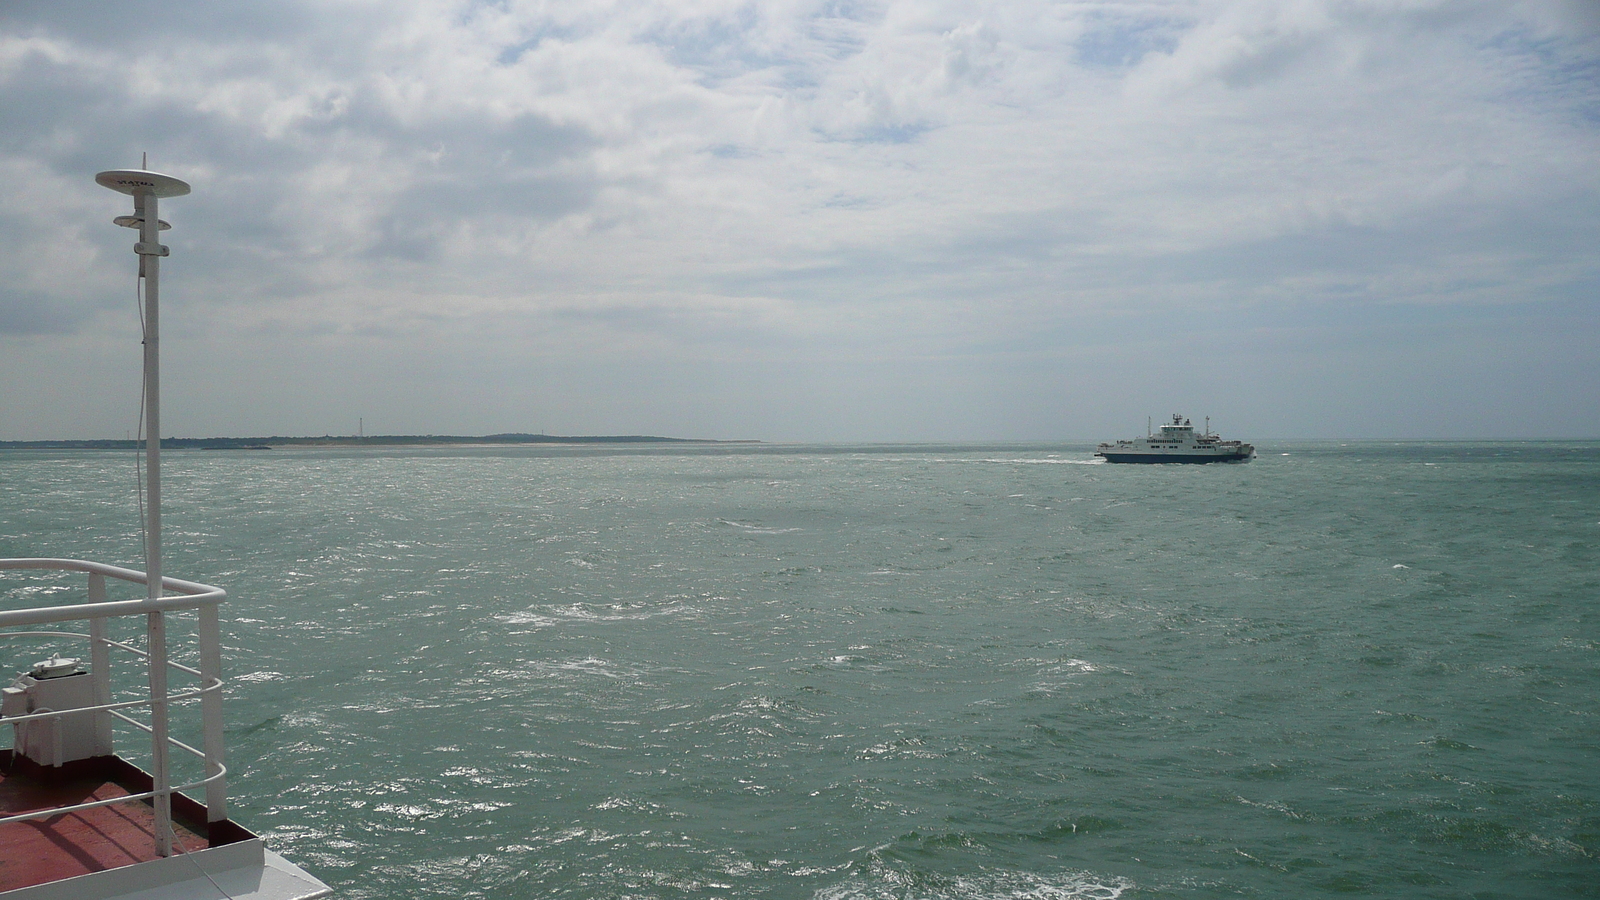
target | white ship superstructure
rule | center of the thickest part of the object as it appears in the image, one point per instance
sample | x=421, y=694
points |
x=1177, y=442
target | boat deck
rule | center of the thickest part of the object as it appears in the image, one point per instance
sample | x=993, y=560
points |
x=39, y=851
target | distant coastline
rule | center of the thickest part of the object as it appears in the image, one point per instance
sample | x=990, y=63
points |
x=346, y=440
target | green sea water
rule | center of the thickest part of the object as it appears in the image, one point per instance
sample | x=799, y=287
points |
x=911, y=672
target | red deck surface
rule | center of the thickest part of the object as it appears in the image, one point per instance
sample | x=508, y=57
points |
x=92, y=840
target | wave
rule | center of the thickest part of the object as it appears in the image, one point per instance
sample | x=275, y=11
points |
x=753, y=528
x=551, y=616
x=893, y=884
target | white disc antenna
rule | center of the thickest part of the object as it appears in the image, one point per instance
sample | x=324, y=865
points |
x=138, y=181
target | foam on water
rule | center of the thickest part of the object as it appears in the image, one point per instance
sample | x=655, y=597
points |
x=986, y=886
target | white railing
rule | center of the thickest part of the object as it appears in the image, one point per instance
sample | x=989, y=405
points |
x=204, y=600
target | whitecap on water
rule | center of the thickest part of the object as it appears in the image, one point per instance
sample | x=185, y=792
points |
x=580, y=613
x=528, y=618
x=753, y=528
x=586, y=666
x=891, y=885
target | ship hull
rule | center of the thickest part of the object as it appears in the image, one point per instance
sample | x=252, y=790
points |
x=1115, y=457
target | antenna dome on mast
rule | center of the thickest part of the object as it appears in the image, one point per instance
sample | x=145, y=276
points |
x=138, y=181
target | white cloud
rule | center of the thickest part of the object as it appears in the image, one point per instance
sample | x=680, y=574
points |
x=679, y=190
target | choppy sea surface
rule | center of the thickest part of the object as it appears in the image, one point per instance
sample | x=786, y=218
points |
x=872, y=672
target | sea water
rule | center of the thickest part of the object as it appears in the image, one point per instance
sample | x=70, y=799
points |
x=912, y=672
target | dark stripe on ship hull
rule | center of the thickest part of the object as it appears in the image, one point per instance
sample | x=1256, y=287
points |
x=1170, y=458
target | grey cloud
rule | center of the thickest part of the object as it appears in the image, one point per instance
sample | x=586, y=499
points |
x=158, y=24
x=31, y=313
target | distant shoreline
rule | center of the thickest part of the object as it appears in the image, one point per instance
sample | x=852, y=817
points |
x=345, y=440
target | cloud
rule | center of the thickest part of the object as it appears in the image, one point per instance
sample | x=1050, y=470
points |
x=694, y=187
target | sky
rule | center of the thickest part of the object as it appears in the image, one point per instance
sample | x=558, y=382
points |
x=792, y=220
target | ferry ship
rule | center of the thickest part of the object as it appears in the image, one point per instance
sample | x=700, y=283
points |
x=79, y=821
x=1177, y=442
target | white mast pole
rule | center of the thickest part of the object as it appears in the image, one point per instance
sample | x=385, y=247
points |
x=147, y=187
x=150, y=238
x=150, y=265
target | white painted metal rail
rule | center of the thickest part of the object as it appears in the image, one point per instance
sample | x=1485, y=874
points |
x=201, y=598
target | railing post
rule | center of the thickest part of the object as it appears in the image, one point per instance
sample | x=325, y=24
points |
x=160, y=774
x=100, y=666
x=211, y=711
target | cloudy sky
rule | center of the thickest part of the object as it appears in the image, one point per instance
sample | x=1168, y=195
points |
x=810, y=220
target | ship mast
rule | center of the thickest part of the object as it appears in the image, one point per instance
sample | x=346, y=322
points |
x=147, y=188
